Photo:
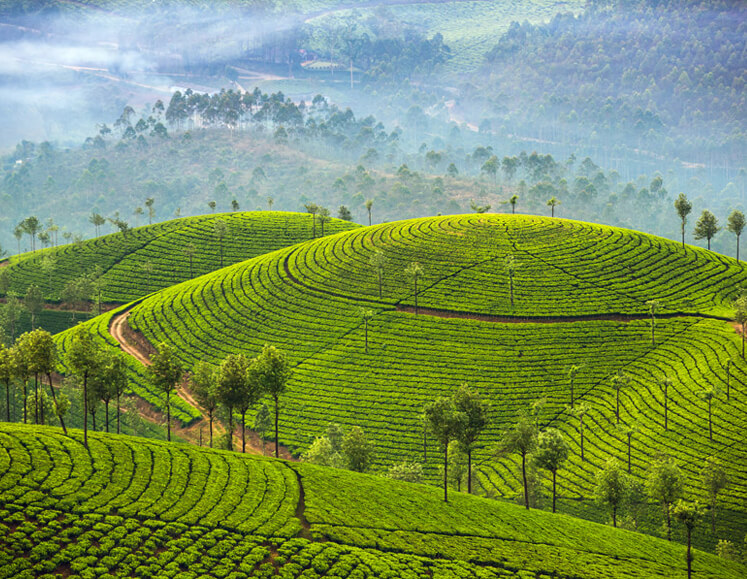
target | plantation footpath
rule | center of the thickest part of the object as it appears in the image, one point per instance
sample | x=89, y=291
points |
x=306, y=300
x=133, y=507
x=146, y=259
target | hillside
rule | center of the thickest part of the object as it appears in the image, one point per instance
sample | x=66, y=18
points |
x=131, y=507
x=580, y=298
x=154, y=257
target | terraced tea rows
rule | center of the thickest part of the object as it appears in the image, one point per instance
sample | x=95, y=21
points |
x=306, y=299
x=129, y=507
x=157, y=256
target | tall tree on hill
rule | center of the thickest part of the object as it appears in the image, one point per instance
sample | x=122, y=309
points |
x=21, y=371
x=274, y=371
x=580, y=412
x=613, y=486
x=211, y=205
x=550, y=454
x=652, y=305
x=31, y=226
x=231, y=387
x=189, y=251
x=628, y=430
x=369, y=206
x=472, y=413
x=552, y=203
x=6, y=374
x=619, y=381
x=664, y=384
x=522, y=438
x=414, y=271
x=443, y=422
x=33, y=301
x=688, y=514
x=706, y=227
x=204, y=383
x=116, y=370
x=250, y=394
x=366, y=315
x=324, y=217
x=358, y=451
x=220, y=230
x=513, y=200
x=45, y=362
x=736, y=223
x=165, y=373
x=138, y=213
x=378, y=262
x=97, y=220
x=83, y=359
x=683, y=207
x=149, y=203
x=572, y=372
x=18, y=234
x=714, y=480
x=313, y=209
x=664, y=485
x=708, y=395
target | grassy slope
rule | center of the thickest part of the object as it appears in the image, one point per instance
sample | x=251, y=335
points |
x=132, y=507
x=124, y=258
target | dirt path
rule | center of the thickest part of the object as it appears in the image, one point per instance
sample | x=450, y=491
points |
x=119, y=329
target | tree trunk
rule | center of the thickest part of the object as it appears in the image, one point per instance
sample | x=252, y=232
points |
x=168, y=415
x=211, y=429
x=446, y=472
x=524, y=475
x=230, y=428
x=277, y=413
x=582, y=438
x=554, y=493
x=709, y=244
x=313, y=226
x=683, y=234
x=669, y=522
x=85, y=408
x=243, y=432
x=369, y=224
x=106, y=415
x=93, y=418
x=469, y=471
x=36, y=395
x=737, y=248
x=25, y=396
x=54, y=398
x=7, y=400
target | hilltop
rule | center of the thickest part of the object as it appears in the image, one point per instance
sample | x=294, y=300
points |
x=580, y=298
x=163, y=510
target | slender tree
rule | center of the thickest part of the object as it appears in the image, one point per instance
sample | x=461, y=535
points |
x=249, y=395
x=628, y=430
x=613, y=486
x=522, y=438
x=551, y=452
x=220, y=230
x=572, y=373
x=165, y=373
x=34, y=302
x=97, y=220
x=262, y=423
x=323, y=217
x=706, y=226
x=688, y=514
x=369, y=205
x=149, y=202
x=709, y=395
x=652, y=305
x=378, y=263
x=683, y=207
x=116, y=370
x=714, y=480
x=736, y=223
x=203, y=382
x=189, y=250
x=415, y=271
x=231, y=387
x=740, y=316
x=442, y=420
x=580, y=412
x=83, y=359
x=664, y=485
x=313, y=209
x=664, y=384
x=44, y=361
x=6, y=374
x=274, y=371
x=366, y=316
x=513, y=200
x=472, y=414
x=552, y=203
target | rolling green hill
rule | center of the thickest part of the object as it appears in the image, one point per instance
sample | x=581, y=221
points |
x=129, y=507
x=157, y=256
x=588, y=283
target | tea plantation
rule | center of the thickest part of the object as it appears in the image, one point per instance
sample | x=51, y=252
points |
x=591, y=282
x=153, y=257
x=128, y=507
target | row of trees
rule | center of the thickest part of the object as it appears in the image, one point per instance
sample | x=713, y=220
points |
x=707, y=225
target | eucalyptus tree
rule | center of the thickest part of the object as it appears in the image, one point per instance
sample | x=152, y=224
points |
x=189, y=250
x=231, y=387
x=613, y=487
x=234, y=205
x=274, y=371
x=510, y=266
x=313, y=209
x=714, y=479
x=149, y=203
x=116, y=370
x=378, y=263
x=220, y=230
x=683, y=207
x=619, y=381
x=366, y=315
x=736, y=223
x=552, y=203
x=664, y=485
x=415, y=271
x=369, y=206
x=522, y=438
x=6, y=374
x=442, y=419
x=628, y=430
x=706, y=227
x=203, y=382
x=97, y=220
x=572, y=373
x=550, y=453
x=324, y=217
x=513, y=200
x=472, y=419
x=249, y=395
x=138, y=213
x=664, y=384
x=652, y=305
x=687, y=513
x=165, y=373
x=211, y=205
x=83, y=356
x=709, y=395
x=580, y=412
